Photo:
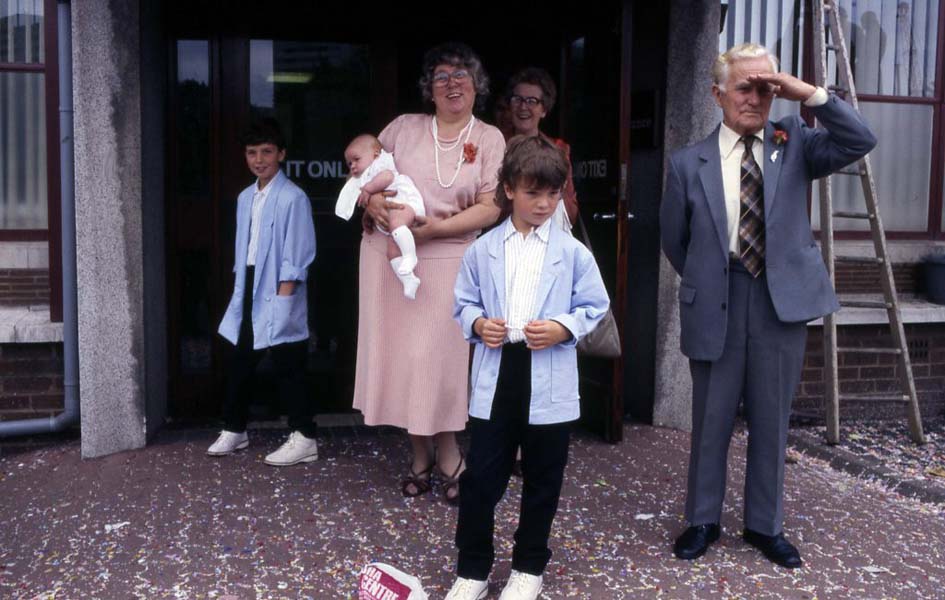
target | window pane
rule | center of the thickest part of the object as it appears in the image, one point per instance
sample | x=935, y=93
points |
x=901, y=169
x=776, y=24
x=319, y=93
x=21, y=31
x=193, y=130
x=22, y=151
x=892, y=45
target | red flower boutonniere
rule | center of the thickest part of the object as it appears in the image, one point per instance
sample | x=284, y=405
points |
x=780, y=137
x=469, y=153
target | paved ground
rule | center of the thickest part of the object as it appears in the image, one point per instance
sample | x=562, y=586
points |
x=883, y=451
x=167, y=522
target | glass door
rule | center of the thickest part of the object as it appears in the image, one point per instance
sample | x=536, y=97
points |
x=321, y=95
x=595, y=115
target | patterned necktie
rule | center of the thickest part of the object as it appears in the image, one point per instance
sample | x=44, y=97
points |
x=751, y=222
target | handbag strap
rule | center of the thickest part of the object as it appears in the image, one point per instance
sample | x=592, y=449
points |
x=586, y=238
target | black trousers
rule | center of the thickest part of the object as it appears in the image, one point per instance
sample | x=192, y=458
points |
x=288, y=361
x=489, y=465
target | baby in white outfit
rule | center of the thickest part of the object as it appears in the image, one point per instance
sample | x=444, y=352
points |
x=372, y=171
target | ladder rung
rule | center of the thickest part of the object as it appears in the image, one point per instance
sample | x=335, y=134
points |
x=832, y=47
x=862, y=260
x=874, y=397
x=838, y=89
x=865, y=304
x=854, y=215
x=858, y=350
x=856, y=172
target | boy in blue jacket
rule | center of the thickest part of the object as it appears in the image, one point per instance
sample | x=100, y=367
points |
x=525, y=294
x=275, y=244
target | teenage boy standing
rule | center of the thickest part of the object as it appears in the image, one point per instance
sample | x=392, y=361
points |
x=275, y=244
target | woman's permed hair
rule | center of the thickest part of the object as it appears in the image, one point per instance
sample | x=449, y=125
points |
x=535, y=76
x=458, y=55
x=531, y=160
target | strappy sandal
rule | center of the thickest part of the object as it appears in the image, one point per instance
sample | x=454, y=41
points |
x=451, y=483
x=421, y=482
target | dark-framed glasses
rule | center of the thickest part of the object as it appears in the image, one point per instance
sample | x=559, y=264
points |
x=442, y=79
x=529, y=101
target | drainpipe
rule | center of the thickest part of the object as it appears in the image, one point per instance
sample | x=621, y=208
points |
x=70, y=319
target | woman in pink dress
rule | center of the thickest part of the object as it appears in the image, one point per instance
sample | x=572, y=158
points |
x=413, y=363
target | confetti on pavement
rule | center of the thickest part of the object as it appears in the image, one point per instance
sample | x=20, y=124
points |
x=191, y=527
x=888, y=444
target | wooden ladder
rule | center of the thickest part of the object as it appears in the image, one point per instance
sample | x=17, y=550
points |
x=825, y=18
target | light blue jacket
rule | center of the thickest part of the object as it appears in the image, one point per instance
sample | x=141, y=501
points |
x=285, y=250
x=570, y=292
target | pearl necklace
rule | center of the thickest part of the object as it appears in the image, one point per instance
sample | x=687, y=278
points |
x=440, y=148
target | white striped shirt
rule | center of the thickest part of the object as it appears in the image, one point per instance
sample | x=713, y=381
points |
x=259, y=201
x=524, y=257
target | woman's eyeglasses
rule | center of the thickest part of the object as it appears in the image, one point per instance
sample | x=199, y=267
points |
x=442, y=79
x=529, y=101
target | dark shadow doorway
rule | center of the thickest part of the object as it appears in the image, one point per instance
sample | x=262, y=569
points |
x=326, y=80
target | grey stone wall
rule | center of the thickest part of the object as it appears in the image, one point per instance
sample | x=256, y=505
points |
x=109, y=225
x=691, y=114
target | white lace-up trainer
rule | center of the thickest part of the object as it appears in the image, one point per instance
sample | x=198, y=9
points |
x=468, y=589
x=521, y=586
x=296, y=449
x=228, y=442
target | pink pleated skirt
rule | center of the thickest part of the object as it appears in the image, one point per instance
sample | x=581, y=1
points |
x=413, y=363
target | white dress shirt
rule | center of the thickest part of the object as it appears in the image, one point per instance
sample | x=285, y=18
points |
x=524, y=258
x=259, y=201
x=731, y=149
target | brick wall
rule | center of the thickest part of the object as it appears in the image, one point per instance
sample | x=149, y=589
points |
x=875, y=373
x=24, y=286
x=864, y=279
x=30, y=380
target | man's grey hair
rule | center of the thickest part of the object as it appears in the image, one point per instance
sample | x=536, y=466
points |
x=735, y=54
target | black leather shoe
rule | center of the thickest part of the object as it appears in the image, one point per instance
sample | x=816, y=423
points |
x=775, y=548
x=696, y=540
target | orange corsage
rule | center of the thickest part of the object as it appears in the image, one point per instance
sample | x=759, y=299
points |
x=780, y=137
x=469, y=152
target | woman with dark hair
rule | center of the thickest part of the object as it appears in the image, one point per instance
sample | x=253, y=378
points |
x=530, y=96
x=413, y=362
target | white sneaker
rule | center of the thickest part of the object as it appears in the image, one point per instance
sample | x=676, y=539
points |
x=227, y=443
x=468, y=589
x=521, y=586
x=296, y=449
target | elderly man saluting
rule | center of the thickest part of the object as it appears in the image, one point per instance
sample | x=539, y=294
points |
x=734, y=225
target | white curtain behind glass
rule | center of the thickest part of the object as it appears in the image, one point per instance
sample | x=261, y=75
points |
x=22, y=118
x=892, y=45
x=901, y=168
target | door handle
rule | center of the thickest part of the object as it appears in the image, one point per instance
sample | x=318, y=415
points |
x=611, y=216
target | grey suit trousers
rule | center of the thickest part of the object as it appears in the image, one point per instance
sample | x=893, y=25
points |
x=761, y=365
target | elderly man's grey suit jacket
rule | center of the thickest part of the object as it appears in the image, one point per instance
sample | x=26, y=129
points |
x=694, y=228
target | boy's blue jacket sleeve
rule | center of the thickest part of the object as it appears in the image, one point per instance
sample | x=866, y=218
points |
x=299, y=250
x=468, y=303
x=589, y=300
